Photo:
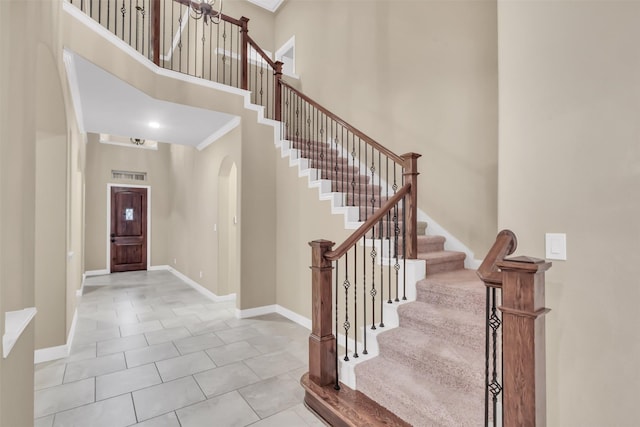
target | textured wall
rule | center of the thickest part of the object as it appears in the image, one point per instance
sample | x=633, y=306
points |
x=569, y=162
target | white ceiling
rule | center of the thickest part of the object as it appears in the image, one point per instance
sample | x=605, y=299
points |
x=109, y=105
x=270, y=5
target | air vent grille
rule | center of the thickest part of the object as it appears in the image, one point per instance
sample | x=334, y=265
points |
x=129, y=175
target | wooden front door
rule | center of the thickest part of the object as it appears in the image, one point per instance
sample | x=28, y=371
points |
x=128, y=229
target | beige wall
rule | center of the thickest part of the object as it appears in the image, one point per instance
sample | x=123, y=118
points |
x=261, y=21
x=51, y=205
x=101, y=160
x=28, y=34
x=416, y=76
x=569, y=162
x=302, y=218
x=51, y=244
x=194, y=243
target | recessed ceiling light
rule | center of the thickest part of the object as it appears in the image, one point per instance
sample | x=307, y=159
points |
x=154, y=125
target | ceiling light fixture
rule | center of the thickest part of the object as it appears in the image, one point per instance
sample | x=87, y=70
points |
x=137, y=141
x=206, y=9
x=154, y=125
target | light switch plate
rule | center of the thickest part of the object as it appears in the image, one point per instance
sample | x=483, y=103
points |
x=556, y=246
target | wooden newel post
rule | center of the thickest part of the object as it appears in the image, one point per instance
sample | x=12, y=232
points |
x=155, y=31
x=277, y=88
x=523, y=337
x=411, y=176
x=322, y=342
x=244, y=53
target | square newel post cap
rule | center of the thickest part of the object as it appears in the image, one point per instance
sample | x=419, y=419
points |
x=524, y=264
x=321, y=243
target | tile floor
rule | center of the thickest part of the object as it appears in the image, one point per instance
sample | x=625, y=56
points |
x=151, y=351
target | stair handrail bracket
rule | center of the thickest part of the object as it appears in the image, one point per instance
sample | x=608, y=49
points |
x=521, y=321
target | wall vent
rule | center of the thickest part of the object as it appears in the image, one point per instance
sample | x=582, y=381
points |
x=129, y=175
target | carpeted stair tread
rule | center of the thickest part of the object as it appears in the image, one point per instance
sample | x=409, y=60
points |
x=452, y=365
x=460, y=290
x=416, y=398
x=429, y=243
x=441, y=261
x=460, y=327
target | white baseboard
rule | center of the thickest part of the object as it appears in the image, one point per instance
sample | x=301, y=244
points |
x=58, y=352
x=96, y=273
x=50, y=353
x=257, y=311
x=159, y=268
x=293, y=316
x=195, y=285
x=274, y=308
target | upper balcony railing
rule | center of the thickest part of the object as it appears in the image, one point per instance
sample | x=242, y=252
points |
x=168, y=33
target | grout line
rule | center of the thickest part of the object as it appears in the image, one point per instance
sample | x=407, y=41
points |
x=133, y=403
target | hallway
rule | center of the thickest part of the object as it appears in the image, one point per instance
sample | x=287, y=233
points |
x=149, y=350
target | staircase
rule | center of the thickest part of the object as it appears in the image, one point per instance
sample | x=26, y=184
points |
x=430, y=370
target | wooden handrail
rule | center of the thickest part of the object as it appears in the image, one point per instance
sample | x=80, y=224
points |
x=384, y=150
x=369, y=224
x=505, y=244
x=261, y=52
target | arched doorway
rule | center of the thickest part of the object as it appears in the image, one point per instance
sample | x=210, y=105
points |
x=228, y=229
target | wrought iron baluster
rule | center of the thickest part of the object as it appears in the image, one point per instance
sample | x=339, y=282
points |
x=492, y=382
x=337, y=384
x=224, y=52
x=366, y=187
x=361, y=178
x=188, y=60
x=396, y=232
x=355, y=301
x=130, y=17
x=180, y=18
x=123, y=11
x=346, y=325
x=211, y=52
x=373, y=182
x=381, y=240
x=231, y=55
x=364, y=295
x=353, y=164
x=204, y=39
x=404, y=249
x=373, y=291
x=261, y=79
x=388, y=240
